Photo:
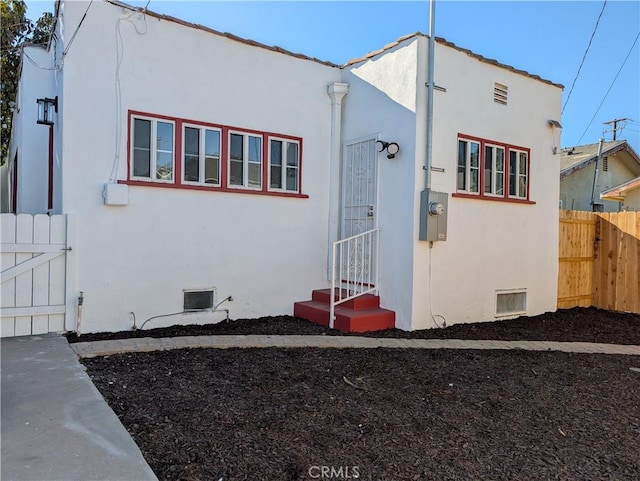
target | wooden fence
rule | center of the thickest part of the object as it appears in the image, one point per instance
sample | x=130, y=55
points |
x=599, y=260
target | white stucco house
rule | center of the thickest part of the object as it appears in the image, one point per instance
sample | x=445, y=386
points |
x=610, y=183
x=198, y=166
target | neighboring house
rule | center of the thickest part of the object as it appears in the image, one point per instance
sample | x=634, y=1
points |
x=194, y=160
x=627, y=194
x=613, y=188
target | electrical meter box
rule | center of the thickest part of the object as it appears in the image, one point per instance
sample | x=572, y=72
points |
x=434, y=207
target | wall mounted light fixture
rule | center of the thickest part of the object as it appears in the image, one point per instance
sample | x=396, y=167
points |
x=392, y=148
x=46, y=108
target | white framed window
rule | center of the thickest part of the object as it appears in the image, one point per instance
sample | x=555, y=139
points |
x=152, y=155
x=511, y=302
x=468, y=166
x=201, y=155
x=245, y=160
x=284, y=164
x=493, y=170
x=518, y=173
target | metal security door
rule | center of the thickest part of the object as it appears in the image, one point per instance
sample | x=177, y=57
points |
x=359, y=185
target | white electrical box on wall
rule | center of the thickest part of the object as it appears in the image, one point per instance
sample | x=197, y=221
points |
x=116, y=194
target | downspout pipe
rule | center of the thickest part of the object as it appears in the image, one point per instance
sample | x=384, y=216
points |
x=336, y=91
x=595, y=176
x=430, y=76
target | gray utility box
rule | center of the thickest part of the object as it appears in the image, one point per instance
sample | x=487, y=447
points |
x=434, y=208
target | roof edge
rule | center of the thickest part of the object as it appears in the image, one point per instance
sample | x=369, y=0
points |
x=446, y=43
x=218, y=33
x=624, y=145
x=618, y=192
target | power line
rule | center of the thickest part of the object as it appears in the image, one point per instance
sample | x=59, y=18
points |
x=584, y=57
x=610, y=87
x=64, y=54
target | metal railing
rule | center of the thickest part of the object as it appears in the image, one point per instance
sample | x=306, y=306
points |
x=354, y=269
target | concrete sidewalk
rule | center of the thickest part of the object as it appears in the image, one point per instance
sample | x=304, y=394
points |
x=103, y=348
x=55, y=423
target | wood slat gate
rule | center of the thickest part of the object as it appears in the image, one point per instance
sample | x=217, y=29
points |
x=37, y=264
x=599, y=260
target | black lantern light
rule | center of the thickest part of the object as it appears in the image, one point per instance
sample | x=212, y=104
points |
x=46, y=108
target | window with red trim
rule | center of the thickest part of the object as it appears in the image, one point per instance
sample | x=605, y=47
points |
x=490, y=169
x=173, y=152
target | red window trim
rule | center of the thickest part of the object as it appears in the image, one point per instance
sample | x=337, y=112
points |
x=507, y=149
x=178, y=182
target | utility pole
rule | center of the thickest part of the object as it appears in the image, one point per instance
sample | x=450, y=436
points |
x=614, y=123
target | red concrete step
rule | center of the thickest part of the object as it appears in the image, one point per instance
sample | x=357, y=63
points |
x=366, y=301
x=348, y=320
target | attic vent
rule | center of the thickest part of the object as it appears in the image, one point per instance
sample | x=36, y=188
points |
x=511, y=302
x=500, y=93
x=195, y=300
x=605, y=164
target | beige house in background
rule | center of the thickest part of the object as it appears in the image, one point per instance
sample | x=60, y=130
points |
x=617, y=183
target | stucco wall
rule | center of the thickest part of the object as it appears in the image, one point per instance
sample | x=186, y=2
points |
x=382, y=102
x=575, y=189
x=632, y=200
x=265, y=251
x=29, y=139
x=490, y=245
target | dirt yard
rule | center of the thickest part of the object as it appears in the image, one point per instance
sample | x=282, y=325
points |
x=578, y=325
x=381, y=414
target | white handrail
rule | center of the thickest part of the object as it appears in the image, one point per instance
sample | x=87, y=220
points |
x=354, y=269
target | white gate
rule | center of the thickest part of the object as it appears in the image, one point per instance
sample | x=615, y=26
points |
x=37, y=273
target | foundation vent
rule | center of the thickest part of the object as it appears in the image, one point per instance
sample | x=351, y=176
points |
x=500, y=93
x=198, y=299
x=511, y=302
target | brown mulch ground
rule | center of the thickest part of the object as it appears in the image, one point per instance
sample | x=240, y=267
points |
x=578, y=324
x=383, y=414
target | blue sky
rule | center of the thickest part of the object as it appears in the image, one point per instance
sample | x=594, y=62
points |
x=547, y=38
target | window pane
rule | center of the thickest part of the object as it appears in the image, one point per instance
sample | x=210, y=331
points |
x=164, y=141
x=522, y=186
x=237, y=147
x=236, y=174
x=500, y=160
x=513, y=171
x=276, y=164
x=212, y=143
x=255, y=174
x=255, y=149
x=191, y=168
x=142, y=134
x=164, y=166
x=191, y=141
x=276, y=152
x=488, y=169
x=473, y=177
x=292, y=178
x=523, y=163
x=292, y=155
x=500, y=183
x=475, y=154
x=462, y=165
x=276, y=177
x=212, y=170
x=141, y=163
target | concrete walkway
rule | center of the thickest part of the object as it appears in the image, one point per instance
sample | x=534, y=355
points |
x=55, y=423
x=103, y=348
